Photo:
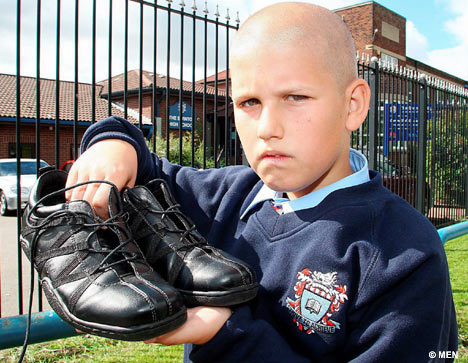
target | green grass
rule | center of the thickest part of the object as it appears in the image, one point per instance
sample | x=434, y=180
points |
x=457, y=256
x=89, y=348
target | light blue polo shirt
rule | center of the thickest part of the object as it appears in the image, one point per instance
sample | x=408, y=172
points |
x=358, y=164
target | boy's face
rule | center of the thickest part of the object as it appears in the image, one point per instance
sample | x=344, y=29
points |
x=290, y=116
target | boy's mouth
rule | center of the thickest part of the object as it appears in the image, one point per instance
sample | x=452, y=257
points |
x=274, y=156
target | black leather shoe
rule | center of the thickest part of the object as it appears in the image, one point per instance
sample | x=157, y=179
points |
x=175, y=249
x=93, y=274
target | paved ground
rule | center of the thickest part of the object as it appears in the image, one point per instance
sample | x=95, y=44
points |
x=9, y=272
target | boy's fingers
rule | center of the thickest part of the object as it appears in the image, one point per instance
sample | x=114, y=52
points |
x=90, y=192
x=71, y=180
x=100, y=201
x=78, y=192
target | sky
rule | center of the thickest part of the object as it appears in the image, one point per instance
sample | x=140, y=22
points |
x=437, y=34
x=436, y=30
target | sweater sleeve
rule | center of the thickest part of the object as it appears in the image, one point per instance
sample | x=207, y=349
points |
x=199, y=192
x=118, y=128
x=408, y=317
x=405, y=309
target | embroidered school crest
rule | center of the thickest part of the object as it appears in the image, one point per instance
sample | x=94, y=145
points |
x=317, y=296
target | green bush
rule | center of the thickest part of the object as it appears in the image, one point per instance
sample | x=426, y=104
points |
x=174, y=151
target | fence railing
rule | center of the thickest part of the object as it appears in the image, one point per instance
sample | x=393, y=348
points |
x=416, y=136
x=165, y=68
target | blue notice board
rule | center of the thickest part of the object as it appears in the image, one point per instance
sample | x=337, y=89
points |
x=174, y=116
x=402, y=122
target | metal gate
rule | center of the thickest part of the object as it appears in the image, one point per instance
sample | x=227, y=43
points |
x=164, y=66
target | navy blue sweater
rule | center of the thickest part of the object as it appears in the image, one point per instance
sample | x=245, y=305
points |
x=362, y=276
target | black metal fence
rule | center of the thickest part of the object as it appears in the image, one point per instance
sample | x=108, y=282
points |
x=169, y=39
x=415, y=133
x=416, y=136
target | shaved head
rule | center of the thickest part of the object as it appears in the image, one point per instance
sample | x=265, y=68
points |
x=308, y=27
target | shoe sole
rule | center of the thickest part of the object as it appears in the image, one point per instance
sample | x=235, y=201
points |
x=220, y=298
x=133, y=333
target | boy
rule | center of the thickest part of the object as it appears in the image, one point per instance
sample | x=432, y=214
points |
x=347, y=270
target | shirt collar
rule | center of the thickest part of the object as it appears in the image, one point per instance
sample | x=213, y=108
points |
x=358, y=164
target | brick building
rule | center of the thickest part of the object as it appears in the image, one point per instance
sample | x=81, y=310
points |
x=380, y=32
x=141, y=107
x=48, y=119
x=142, y=103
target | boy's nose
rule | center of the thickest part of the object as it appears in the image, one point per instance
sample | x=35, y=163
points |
x=270, y=125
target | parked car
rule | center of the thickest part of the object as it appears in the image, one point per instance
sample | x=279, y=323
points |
x=8, y=180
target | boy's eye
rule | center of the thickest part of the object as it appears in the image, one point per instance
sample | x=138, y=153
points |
x=296, y=98
x=249, y=103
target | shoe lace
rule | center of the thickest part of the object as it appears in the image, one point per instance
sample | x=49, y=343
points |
x=76, y=218
x=184, y=242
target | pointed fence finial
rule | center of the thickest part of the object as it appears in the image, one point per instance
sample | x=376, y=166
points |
x=182, y=4
x=194, y=6
x=227, y=14
x=237, y=19
x=217, y=11
x=357, y=55
x=205, y=10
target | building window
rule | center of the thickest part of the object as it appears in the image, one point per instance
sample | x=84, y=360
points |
x=388, y=59
x=26, y=150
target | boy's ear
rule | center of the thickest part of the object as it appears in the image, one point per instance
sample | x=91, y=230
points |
x=358, y=92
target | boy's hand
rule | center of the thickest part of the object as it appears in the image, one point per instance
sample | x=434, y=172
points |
x=112, y=160
x=203, y=323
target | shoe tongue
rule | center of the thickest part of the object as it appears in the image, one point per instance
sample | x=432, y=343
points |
x=148, y=197
x=80, y=206
x=166, y=193
x=116, y=207
x=114, y=202
x=166, y=200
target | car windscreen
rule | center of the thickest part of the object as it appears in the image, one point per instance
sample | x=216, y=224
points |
x=27, y=168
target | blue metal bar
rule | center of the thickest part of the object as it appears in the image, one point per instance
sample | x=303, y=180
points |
x=45, y=326
x=453, y=231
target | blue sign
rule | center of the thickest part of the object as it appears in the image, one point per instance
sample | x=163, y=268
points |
x=402, y=122
x=174, y=116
